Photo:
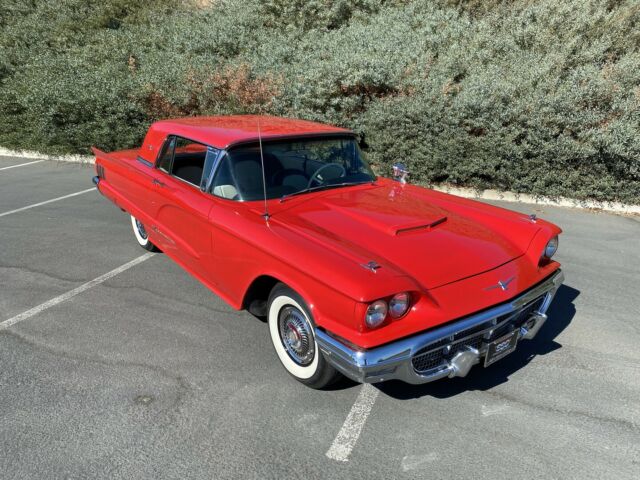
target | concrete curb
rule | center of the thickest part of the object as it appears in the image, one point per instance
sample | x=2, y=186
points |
x=613, y=207
x=41, y=156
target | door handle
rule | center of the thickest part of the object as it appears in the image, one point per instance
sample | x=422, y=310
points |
x=157, y=182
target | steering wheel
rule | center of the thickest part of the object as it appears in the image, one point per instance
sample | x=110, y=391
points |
x=342, y=172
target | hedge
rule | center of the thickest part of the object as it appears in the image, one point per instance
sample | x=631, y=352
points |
x=538, y=97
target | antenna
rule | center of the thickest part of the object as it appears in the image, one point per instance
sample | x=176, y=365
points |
x=264, y=180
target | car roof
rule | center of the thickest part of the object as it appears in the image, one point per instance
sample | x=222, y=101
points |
x=224, y=131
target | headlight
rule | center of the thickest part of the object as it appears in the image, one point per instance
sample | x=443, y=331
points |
x=399, y=305
x=376, y=313
x=551, y=248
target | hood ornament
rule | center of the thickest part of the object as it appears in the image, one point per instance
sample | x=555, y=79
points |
x=503, y=284
x=372, y=266
x=400, y=172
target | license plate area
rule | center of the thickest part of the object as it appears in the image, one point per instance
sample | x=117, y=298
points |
x=501, y=347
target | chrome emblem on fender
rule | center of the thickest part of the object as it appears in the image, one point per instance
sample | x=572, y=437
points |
x=503, y=284
x=372, y=266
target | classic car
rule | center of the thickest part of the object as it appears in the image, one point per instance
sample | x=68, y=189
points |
x=355, y=274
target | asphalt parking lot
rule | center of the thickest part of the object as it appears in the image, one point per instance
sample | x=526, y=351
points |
x=147, y=374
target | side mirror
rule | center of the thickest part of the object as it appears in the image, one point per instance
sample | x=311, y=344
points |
x=400, y=172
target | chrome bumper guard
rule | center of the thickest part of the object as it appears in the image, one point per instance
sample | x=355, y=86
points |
x=448, y=351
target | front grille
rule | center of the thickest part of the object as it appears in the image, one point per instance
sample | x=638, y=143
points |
x=428, y=361
x=439, y=352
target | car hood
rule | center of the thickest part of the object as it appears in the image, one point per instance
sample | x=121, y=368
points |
x=410, y=231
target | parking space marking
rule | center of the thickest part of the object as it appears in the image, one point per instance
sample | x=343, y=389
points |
x=72, y=293
x=4, y=214
x=21, y=165
x=348, y=435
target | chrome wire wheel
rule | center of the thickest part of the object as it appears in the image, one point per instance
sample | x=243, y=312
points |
x=296, y=335
x=141, y=229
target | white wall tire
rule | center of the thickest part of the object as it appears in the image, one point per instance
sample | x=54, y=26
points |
x=297, y=370
x=315, y=372
x=140, y=233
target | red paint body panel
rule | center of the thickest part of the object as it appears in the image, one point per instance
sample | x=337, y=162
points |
x=443, y=249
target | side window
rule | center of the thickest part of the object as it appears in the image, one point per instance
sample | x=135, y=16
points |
x=188, y=161
x=164, y=162
x=223, y=184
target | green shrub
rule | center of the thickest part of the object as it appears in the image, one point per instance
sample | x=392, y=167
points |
x=540, y=97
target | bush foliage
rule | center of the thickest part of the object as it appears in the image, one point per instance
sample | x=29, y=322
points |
x=538, y=96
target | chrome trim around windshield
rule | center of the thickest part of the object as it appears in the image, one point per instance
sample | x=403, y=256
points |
x=214, y=168
x=394, y=360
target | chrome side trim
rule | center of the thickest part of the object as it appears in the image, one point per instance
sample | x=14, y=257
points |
x=394, y=360
x=144, y=161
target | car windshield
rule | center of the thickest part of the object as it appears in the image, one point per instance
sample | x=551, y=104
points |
x=291, y=167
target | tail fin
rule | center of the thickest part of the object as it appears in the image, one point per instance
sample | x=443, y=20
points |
x=99, y=153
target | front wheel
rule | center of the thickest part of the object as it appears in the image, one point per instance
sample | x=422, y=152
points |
x=140, y=233
x=292, y=334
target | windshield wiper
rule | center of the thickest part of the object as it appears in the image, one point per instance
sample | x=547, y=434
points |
x=323, y=187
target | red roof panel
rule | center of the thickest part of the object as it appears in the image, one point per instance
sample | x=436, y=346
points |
x=222, y=131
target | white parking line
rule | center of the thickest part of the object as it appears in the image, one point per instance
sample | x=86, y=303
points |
x=348, y=435
x=21, y=165
x=72, y=293
x=4, y=214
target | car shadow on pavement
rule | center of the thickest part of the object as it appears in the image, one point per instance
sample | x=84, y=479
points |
x=560, y=313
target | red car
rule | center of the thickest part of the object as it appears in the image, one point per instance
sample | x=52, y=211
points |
x=356, y=274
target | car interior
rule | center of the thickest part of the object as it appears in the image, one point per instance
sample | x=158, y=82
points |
x=239, y=177
x=188, y=161
x=289, y=167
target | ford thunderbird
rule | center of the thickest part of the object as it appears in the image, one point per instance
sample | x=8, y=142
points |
x=354, y=273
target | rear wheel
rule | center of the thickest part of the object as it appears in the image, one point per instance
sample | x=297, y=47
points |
x=292, y=334
x=141, y=235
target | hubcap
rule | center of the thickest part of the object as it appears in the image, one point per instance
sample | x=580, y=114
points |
x=141, y=230
x=296, y=335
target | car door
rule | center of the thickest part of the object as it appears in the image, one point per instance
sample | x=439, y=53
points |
x=182, y=214
x=153, y=178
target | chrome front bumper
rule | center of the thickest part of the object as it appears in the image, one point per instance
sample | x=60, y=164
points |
x=456, y=347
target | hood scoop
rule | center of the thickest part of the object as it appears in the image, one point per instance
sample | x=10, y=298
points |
x=417, y=226
x=399, y=220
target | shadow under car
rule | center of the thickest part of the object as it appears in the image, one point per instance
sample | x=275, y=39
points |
x=561, y=313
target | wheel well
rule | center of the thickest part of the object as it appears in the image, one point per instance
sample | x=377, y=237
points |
x=255, y=300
